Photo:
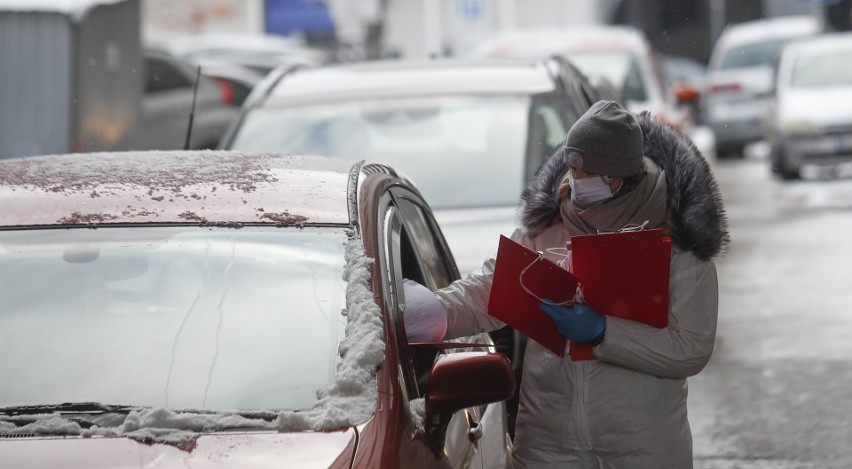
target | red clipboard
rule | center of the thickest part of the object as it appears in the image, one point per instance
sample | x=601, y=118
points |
x=623, y=274
x=510, y=303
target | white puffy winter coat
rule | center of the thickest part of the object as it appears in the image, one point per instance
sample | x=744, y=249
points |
x=626, y=409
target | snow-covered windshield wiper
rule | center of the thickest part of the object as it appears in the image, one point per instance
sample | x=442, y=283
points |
x=67, y=407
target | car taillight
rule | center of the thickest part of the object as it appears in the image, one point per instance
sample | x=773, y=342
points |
x=726, y=88
x=226, y=91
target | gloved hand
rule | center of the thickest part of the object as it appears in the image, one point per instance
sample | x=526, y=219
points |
x=578, y=323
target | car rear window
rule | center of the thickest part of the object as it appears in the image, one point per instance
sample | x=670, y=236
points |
x=753, y=55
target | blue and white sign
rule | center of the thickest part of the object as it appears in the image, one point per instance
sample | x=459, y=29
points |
x=471, y=10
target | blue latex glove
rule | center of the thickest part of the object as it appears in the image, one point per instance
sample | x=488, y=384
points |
x=579, y=323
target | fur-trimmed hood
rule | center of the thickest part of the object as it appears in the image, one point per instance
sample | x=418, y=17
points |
x=695, y=215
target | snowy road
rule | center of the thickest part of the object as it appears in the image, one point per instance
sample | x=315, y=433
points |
x=778, y=391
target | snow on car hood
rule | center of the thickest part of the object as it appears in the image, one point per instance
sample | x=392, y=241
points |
x=257, y=449
x=822, y=107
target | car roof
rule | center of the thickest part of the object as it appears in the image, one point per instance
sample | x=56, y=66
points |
x=823, y=42
x=196, y=187
x=768, y=29
x=541, y=42
x=394, y=78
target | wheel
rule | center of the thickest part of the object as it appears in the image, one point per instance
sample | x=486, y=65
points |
x=730, y=150
x=787, y=170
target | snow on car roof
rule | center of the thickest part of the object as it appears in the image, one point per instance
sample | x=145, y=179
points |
x=174, y=187
x=542, y=42
x=77, y=9
x=411, y=78
x=769, y=28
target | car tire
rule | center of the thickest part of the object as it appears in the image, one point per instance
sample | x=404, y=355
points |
x=730, y=151
x=787, y=170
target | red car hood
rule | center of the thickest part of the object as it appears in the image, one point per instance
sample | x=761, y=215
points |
x=221, y=450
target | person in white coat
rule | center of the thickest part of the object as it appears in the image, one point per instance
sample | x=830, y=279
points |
x=626, y=409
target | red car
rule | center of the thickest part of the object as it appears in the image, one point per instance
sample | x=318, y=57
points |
x=217, y=309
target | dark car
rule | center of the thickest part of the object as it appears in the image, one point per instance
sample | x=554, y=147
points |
x=216, y=309
x=170, y=96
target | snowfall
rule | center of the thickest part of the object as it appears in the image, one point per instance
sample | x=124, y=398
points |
x=349, y=401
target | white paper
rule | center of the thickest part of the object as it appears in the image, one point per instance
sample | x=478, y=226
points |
x=424, y=315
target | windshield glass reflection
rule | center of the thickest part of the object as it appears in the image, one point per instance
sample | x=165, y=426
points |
x=171, y=317
x=442, y=143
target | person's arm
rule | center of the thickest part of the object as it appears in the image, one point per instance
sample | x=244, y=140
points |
x=681, y=349
x=466, y=300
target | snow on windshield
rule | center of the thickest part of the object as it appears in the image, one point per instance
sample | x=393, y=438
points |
x=349, y=401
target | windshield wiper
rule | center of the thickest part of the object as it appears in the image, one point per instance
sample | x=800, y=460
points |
x=67, y=407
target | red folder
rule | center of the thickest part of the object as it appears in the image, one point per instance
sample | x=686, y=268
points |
x=510, y=303
x=624, y=274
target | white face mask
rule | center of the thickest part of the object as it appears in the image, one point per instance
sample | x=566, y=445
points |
x=587, y=191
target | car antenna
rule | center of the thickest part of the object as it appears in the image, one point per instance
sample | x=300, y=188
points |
x=192, y=110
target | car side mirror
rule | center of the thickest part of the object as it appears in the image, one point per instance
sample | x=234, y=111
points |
x=468, y=379
x=686, y=94
x=463, y=380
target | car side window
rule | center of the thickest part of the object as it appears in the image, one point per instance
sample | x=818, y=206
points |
x=160, y=76
x=416, y=253
x=430, y=254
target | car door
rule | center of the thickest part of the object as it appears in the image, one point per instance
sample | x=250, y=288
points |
x=476, y=437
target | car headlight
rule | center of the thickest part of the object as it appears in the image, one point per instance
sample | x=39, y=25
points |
x=800, y=127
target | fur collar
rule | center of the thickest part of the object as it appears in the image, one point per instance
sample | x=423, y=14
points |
x=696, y=218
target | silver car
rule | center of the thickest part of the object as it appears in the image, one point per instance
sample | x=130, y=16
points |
x=740, y=76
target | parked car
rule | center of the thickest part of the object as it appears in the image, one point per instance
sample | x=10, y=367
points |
x=621, y=54
x=685, y=76
x=740, y=76
x=810, y=118
x=167, y=104
x=261, y=53
x=469, y=133
x=235, y=81
x=186, y=309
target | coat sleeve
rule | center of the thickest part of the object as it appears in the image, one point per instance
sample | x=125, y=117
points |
x=466, y=300
x=681, y=349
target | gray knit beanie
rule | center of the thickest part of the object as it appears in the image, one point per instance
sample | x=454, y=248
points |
x=605, y=140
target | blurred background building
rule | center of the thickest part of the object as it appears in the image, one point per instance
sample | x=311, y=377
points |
x=76, y=66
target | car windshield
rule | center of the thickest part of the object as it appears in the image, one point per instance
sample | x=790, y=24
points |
x=753, y=55
x=620, y=68
x=441, y=142
x=819, y=70
x=171, y=317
